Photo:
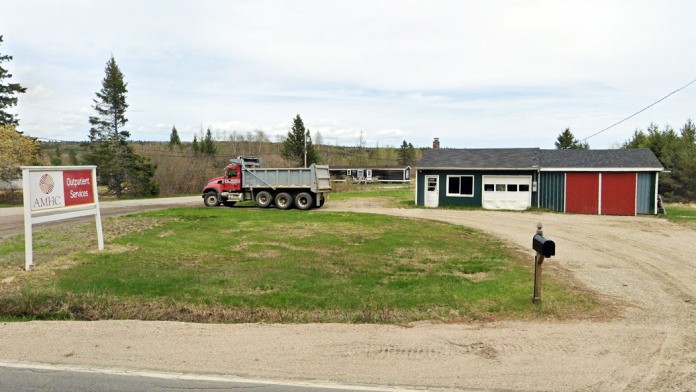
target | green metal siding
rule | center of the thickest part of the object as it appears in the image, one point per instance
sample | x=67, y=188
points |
x=552, y=191
x=473, y=201
x=646, y=193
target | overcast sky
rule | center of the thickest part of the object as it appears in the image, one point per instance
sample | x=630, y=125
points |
x=473, y=73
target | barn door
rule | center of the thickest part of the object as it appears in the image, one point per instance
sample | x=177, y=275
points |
x=582, y=193
x=619, y=194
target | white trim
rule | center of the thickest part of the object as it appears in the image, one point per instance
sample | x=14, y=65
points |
x=657, y=180
x=599, y=202
x=635, y=201
x=565, y=192
x=415, y=199
x=473, y=186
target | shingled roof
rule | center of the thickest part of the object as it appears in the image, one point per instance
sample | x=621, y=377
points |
x=535, y=158
x=480, y=158
x=634, y=158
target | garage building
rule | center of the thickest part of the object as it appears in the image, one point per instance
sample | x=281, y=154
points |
x=606, y=182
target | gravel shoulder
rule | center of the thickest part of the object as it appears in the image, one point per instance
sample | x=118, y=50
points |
x=646, y=263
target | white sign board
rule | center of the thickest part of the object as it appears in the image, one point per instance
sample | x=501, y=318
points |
x=55, y=193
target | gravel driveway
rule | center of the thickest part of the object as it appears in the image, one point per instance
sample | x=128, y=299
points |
x=646, y=263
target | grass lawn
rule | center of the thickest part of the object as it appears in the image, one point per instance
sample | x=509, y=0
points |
x=265, y=265
x=684, y=214
x=399, y=196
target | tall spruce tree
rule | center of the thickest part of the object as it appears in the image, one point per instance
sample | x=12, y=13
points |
x=207, y=144
x=406, y=154
x=7, y=93
x=174, y=139
x=294, y=144
x=118, y=165
x=567, y=141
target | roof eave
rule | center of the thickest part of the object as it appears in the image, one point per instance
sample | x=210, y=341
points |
x=602, y=169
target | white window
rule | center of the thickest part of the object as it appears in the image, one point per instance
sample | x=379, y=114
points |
x=460, y=186
x=348, y=172
x=432, y=184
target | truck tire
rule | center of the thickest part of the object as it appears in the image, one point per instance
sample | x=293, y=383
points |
x=303, y=201
x=322, y=200
x=264, y=199
x=283, y=201
x=211, y=199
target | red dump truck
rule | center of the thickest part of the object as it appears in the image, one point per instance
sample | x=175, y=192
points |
x=244, y=179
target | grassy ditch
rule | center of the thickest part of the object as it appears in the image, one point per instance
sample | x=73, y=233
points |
x=257, y=265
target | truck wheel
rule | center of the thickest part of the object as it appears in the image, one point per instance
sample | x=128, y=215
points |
x=283, y=201
x=211, y=199
x=264, y=199
x=303, y=201
x=322, y=200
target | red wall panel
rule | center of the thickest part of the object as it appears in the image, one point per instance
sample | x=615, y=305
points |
x=618, y=193
x=582, y=193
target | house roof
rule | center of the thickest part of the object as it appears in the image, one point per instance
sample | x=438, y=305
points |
x=537, y=159
x=635, y=158
x=480, y=158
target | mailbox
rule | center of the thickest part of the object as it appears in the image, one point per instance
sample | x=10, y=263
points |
x=544, y=246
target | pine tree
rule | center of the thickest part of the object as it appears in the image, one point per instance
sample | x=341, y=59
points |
x=406, y=154
x=208, y=145
x=566, y=141
x=195, y=146
x=174, y=139
x=7, y=92
x=117, y=164
x=294, y=144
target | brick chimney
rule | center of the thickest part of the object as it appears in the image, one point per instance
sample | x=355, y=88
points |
x=436, y=144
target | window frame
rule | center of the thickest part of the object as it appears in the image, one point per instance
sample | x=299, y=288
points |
x=460, y=176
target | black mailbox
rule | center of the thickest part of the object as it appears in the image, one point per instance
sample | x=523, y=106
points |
x=544, y=246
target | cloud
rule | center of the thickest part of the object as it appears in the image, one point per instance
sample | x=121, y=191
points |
x=473, y=73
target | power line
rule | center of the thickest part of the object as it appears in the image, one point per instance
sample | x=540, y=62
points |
x=641, y=110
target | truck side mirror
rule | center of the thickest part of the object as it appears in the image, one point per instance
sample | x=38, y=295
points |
x=543, y=246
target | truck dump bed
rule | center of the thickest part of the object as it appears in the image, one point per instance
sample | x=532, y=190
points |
x=315, y=177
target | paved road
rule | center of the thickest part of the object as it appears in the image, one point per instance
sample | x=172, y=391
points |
x=52, y=378
x=12, y=219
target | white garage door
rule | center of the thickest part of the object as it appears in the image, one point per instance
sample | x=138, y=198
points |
x=507, y=192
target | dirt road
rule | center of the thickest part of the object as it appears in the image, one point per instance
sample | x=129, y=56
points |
x=646, y=263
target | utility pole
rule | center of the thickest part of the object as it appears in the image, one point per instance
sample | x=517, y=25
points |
x=305, y=148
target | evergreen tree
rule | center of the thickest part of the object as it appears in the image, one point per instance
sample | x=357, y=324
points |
x=195, y=146
x=294, y=145
x=7, y=92
x=406, y=154
x=207, y=144
x=118, y=165
x=566, y=141
x=174, y=139
x=677, y=153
